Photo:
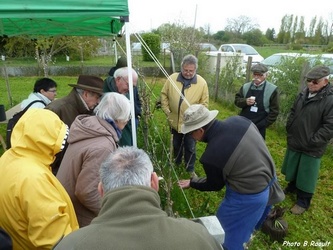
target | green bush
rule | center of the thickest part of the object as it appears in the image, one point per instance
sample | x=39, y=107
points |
x=296, y=46
x=153, y=41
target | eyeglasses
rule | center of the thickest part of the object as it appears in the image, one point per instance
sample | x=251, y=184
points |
x=258, y=74
x=53, y=90
x=188, y=71
x=314, y=81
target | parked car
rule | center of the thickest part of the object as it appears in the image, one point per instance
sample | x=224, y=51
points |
x=207, y=47
x=287, y=67
x=246, y=49
x=136, y=48
x=326, y=59
x=278, y=58
x=275, y=60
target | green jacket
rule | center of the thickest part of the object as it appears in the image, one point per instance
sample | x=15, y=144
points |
x=131, y=218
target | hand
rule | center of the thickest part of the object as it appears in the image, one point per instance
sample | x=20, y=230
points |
x=250, y=101
x=184, y=184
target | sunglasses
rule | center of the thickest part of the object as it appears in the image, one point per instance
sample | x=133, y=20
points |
x=314, y=81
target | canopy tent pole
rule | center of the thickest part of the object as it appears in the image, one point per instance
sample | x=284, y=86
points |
x=114, y=46
x=130, y=81
x=7, y=85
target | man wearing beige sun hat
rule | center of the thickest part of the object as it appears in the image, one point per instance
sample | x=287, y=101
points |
x=236, y=156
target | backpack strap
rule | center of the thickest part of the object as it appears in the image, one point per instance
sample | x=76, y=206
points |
x=30, y=104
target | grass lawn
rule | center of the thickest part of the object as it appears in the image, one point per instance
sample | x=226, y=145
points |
x=315, y=225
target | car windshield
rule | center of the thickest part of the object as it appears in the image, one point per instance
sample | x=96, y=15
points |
x=272, y=60
x=275, y=60
x=247, y=50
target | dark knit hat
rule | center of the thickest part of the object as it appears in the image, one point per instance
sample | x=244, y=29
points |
x=90, y=83
x=122, y=62
x=318, y=72
x=259, y=68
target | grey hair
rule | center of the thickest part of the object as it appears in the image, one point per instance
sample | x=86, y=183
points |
x=126, y=166
x=123, y=72
x=113, y=106
x=190, y=59
x=79, y=91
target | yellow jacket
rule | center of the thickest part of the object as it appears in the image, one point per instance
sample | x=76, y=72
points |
x=195, y=93
x=35, y=209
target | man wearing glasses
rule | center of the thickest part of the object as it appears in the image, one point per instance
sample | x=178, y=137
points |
x=179, y=91
x=309, y=129
x=259, y=99
x=119, y=83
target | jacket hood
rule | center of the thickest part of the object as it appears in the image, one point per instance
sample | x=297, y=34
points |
x=39, y=133
x=86, y=126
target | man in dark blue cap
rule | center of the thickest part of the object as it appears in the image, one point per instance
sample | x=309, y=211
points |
x=309, y=129
x=259, y=99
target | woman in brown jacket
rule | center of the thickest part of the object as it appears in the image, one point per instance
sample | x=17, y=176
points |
x=91, y=140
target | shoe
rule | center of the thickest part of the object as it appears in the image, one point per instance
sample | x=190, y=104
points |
x=296, y=209
x=289, y=190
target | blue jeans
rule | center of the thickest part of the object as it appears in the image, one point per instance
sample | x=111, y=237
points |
x=184, y=145
x=239, y=214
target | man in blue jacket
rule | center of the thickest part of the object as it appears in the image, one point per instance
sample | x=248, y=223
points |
x=236, y=157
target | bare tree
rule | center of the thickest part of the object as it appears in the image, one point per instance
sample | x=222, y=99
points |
x=313, y=23
x=240, y=25
x=183, y=39
x=47, y=47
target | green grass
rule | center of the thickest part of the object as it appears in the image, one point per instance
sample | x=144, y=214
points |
x=108, y=60
x=314, y=225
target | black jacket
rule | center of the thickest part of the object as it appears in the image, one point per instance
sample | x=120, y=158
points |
x=310, y=122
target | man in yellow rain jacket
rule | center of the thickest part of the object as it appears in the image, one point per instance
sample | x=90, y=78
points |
x=35, y=209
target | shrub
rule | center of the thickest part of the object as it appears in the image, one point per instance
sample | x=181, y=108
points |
x=153, y=41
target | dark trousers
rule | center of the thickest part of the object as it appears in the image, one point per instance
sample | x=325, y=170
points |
x=184, y=145
x=303, y=198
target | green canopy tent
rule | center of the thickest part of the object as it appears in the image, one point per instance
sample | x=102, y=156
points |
x=68, y=18
x=62, y=17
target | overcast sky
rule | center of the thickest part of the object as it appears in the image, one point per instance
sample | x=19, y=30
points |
x=150, y=14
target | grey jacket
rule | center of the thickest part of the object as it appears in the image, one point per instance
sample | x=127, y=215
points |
x=237, y=155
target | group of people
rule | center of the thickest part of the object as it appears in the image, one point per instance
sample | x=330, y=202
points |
x=42, y=204
x=236, y=155
x=71, y=182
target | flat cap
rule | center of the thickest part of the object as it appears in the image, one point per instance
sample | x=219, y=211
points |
x=318, y=72
x=259, y=68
